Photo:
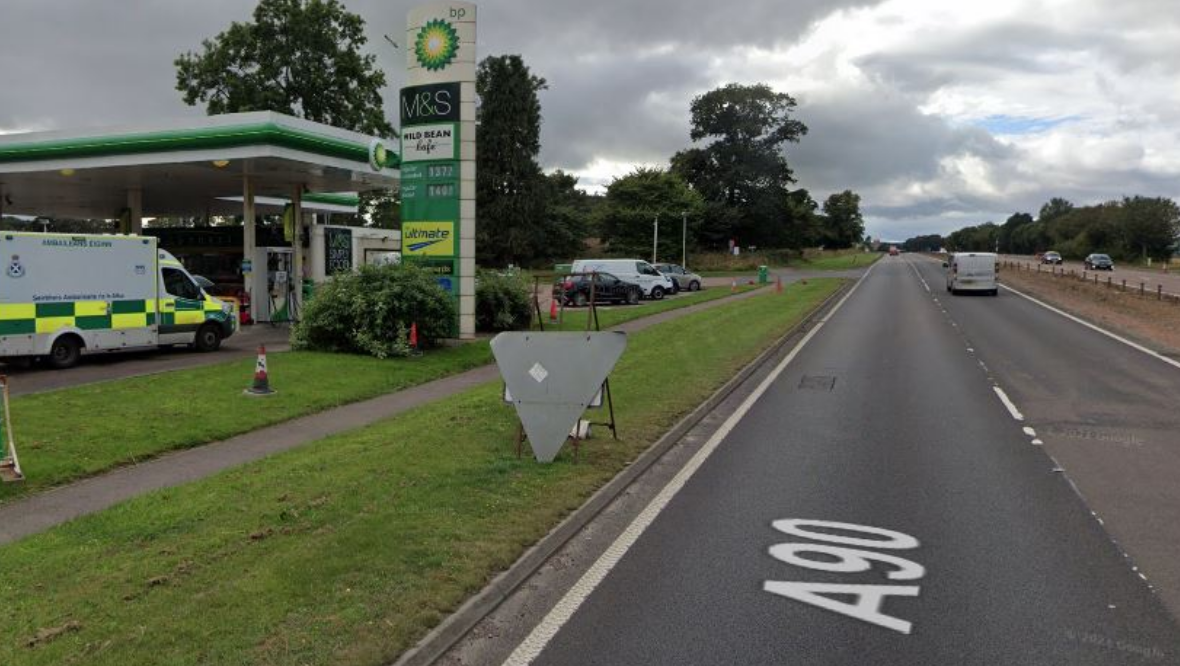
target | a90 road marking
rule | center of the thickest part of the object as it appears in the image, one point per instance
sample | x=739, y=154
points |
x=868, y=598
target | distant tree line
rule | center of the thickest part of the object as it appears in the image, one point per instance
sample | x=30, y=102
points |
x=1134, y=228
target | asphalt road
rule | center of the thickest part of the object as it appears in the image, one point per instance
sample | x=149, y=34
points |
x=35, y=378
x=974, y=546
x=1170, y=281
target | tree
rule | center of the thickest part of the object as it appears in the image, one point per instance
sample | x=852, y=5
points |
x=1010, y=227
x=742, y=172
x=1053, y=209
x=298, y=57
x=567, y=215
x=1149, y=227
x=627, y=217
x=511, y=191
x=845, y=225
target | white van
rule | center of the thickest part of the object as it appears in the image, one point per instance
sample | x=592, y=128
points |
x=637, y=271
x=972, y=271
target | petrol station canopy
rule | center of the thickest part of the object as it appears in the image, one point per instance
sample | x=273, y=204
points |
x=190, y=167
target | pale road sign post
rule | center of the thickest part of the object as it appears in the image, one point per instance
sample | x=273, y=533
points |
x=437, y=110
x=552, y=378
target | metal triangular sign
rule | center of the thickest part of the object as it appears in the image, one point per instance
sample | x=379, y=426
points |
x=553, y=378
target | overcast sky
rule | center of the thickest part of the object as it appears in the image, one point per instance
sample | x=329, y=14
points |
x=939, y=113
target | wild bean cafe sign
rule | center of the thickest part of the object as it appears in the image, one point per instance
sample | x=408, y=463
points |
x=430, y=142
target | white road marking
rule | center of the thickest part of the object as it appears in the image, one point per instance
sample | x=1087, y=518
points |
x=1103, y=331
x=1030, y=432
x=530, y=648
x=1008, y=403
x=1037, y=442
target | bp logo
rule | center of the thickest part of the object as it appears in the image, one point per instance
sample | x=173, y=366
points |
x=378, y=155
x=15, y=268
x=436, y=45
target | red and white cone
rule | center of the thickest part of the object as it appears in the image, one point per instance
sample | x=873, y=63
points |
x=553, y=310
x=414, y=351
x=261, y=384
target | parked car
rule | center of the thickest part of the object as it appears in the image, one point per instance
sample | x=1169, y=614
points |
x=636, y=271
x=1051, y=258
x=575, y=290
x=682, y=278
x=1099, y=262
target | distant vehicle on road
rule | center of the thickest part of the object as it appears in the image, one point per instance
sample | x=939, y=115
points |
x=636, y=271
x=682, y=278
x=1051, y=258
x=972, y=271
x=893, y=251
x=1099, y=262
x=575, y=290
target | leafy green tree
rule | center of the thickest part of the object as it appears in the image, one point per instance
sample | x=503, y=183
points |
x=511, y=191
x=627, y=216
x=980, y=238
x=845, y=225
x=742, y=171
x=1010, y=226
x=926, y=243
x=1149, y=227
x=298, y=57
x=1053, y=209
x=567, y=215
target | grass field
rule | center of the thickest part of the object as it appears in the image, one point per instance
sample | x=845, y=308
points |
x=73, y=433
x=68, y=434
x=574, y=319
x=347, y=550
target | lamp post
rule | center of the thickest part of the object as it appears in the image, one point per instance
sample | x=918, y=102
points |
x=684, y=239
x=655, y=239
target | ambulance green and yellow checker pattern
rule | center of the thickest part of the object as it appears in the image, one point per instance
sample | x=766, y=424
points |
x=33, y=318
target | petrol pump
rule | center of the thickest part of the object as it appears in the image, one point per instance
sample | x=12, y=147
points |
x=272, y=283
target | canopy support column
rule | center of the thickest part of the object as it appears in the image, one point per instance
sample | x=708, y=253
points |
x=248, y=244
x=297, y=253
x=135, y=205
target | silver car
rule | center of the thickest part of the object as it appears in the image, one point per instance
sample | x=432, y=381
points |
x=684, y=279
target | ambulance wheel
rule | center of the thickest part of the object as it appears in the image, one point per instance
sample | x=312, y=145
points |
x=65, y=352
x=657, y=293
x=208, y=338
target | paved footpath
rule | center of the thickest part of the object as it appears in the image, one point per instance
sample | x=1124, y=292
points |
x=42, y=511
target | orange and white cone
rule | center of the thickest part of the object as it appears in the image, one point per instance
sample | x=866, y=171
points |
x=733, y=286
x=553, y=310
x=778, y=284
x=261, y=384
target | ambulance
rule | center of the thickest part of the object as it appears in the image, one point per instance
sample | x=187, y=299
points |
x=65, y=295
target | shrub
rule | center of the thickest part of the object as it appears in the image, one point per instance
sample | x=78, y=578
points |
x=370, y=312
x=502, y=303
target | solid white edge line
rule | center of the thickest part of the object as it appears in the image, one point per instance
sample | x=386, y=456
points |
x=1008, y=403
x=532, y=646
x=1103, y=331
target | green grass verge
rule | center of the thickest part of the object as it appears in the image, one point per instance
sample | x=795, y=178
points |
x=574, y=319
x=69, y=434
x=348, y=550
x=838, y=262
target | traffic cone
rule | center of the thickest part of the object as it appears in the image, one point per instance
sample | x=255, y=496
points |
x=553, y=310
x=733, y=286
x=778, y=284
x=261, y=380
x=414, y=339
